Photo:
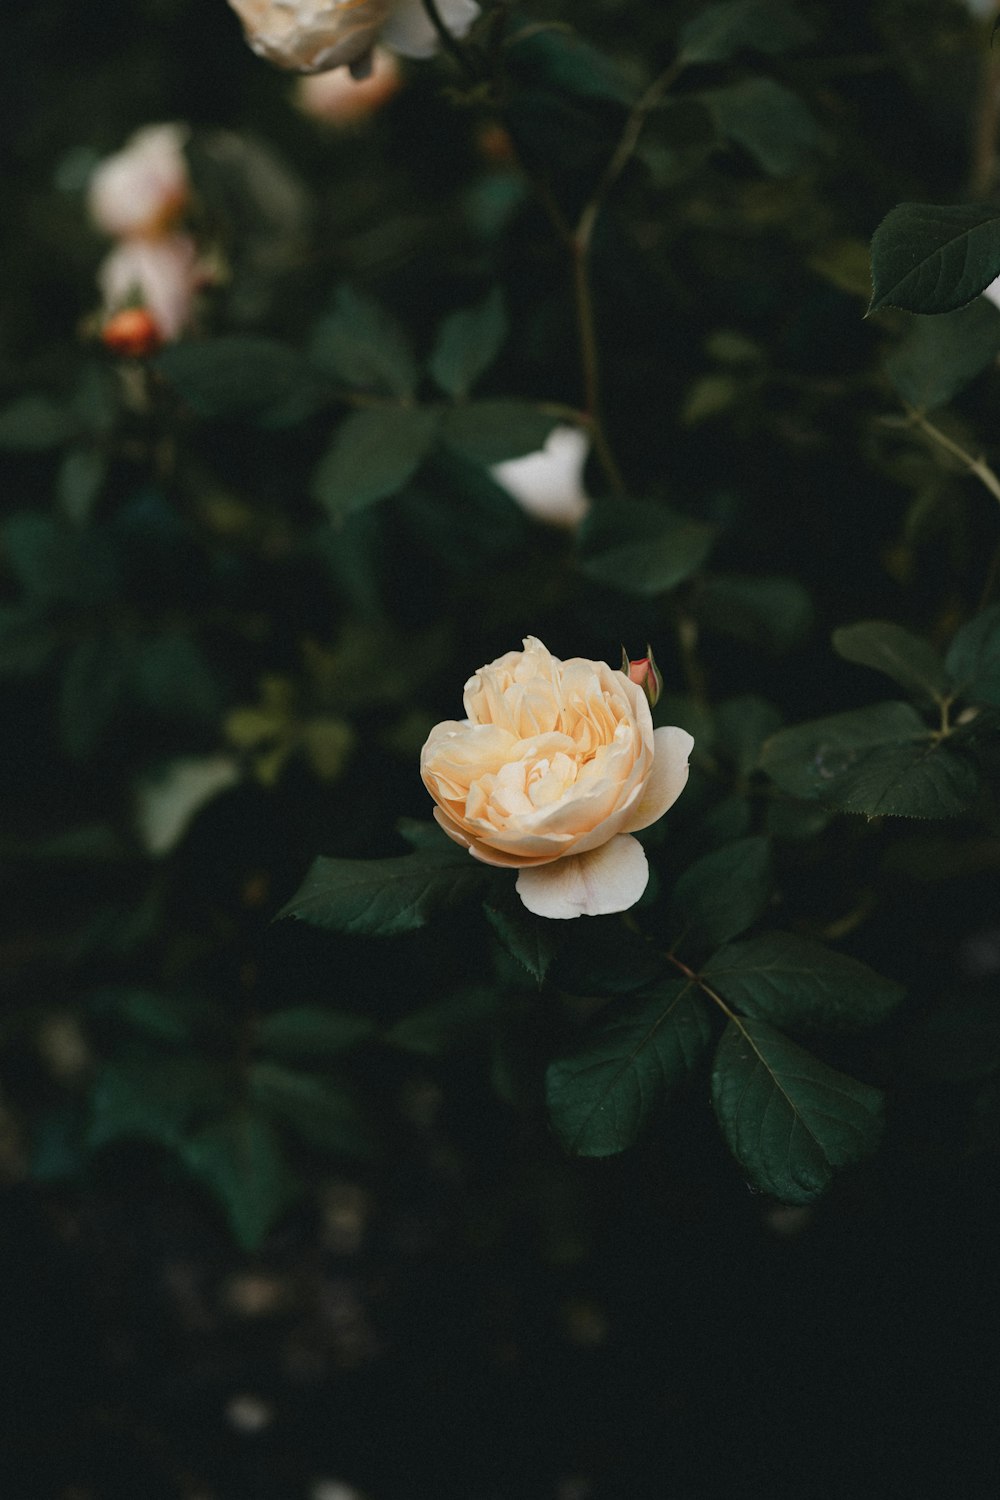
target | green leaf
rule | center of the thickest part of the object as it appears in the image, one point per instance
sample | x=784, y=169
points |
x=246, y=376
x=364, y=345
x=489, y=432
x=164, y=1017
x=604, y=1092
x=720, y=31
x=560, y=60
x=383, y=897
x=451, y=1024
x=973, y=659
x=527, y=938
x=797, y=983
x=94, y=685
x=880, y=761
x=421, y=834
x=467, y=344
x=789, y=1120
x=79, y=483
x=940, y=354
x=722, y=893
x=769, y=122
x=908, y=659
x=930, y=258
x=319, y=1110
x=642, y=549
x=169, y=676
x=741, y=727
x=373, y=455
x=240, y=1160
x=34, y=423
x=310, y=1031
x=139, y=1095
x=771, y=613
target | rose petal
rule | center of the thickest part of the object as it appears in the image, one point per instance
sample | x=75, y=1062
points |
x=409, y=31
x=667, y=778
x=608, y=879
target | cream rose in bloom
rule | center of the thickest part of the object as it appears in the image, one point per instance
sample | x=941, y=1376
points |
x=312, y=36
x=143, y=189
x=555, y=767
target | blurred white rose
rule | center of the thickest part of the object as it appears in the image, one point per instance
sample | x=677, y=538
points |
x=161, y=275
x=313, y=36
x=336, y=98
x=993, y=292
x=144, y=188
x=549, y=484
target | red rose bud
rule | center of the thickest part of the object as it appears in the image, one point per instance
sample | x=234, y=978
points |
x=133, y=332
x=645, y=673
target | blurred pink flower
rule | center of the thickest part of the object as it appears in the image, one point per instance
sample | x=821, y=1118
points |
x=336, y=98
x=313, y=36
x=161, y=275
x=144, y=188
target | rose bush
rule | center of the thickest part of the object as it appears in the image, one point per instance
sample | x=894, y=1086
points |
x=553, y=770
x=312, y=36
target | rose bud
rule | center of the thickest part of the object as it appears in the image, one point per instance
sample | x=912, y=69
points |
x=313, y=36
x=549, y=484
x=161, y=276
x=133, y=333
x=552, y=771
x=340, y=100
x=144, y=188
x=645, y=673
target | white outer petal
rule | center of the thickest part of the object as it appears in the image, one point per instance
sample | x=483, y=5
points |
x=608, y=879
x=549, y=484
x=667, y=778
x=408, y=29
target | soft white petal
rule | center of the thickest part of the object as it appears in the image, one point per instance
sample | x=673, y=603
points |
x=608, y=879
x=667, y=778
x=166, y=801
x=408, y=29
x=549, y=484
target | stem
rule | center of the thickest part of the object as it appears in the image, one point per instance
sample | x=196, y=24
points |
x=977, y=466
x=449, y=43
x=983, y=174
x=705, y=989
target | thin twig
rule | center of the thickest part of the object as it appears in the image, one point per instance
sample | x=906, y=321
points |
x=977, y=466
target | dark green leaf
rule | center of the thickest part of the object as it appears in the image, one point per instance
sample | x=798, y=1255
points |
x=156, y=1098
x=467, y=344
x=34, y=423
x=243, y=375
x=79, y=482
x=880, y=761
x=769, y=122
x=930, y=258
x=310, y=1031
x=973, y=660
x=789, y=1120
x=489, y=432
x=908, y=659
x=797, y=983
x=422, y=835
x=940, y=354
x=642, y=549
x=451, y=1024
x=741, y=727
x=383, y=897
x=94, y=685
x=363, y=344
x=526, y=937
x=722, y=893
x=604, y=1092
x=319, y=1110
x=720, y=31
x=372, y=456
x=774, y=614
x=169, y=676
x=239, y=1159
x=563, y=62
x=165, y=1017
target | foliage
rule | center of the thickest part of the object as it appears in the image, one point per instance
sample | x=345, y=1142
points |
x=272, y=553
